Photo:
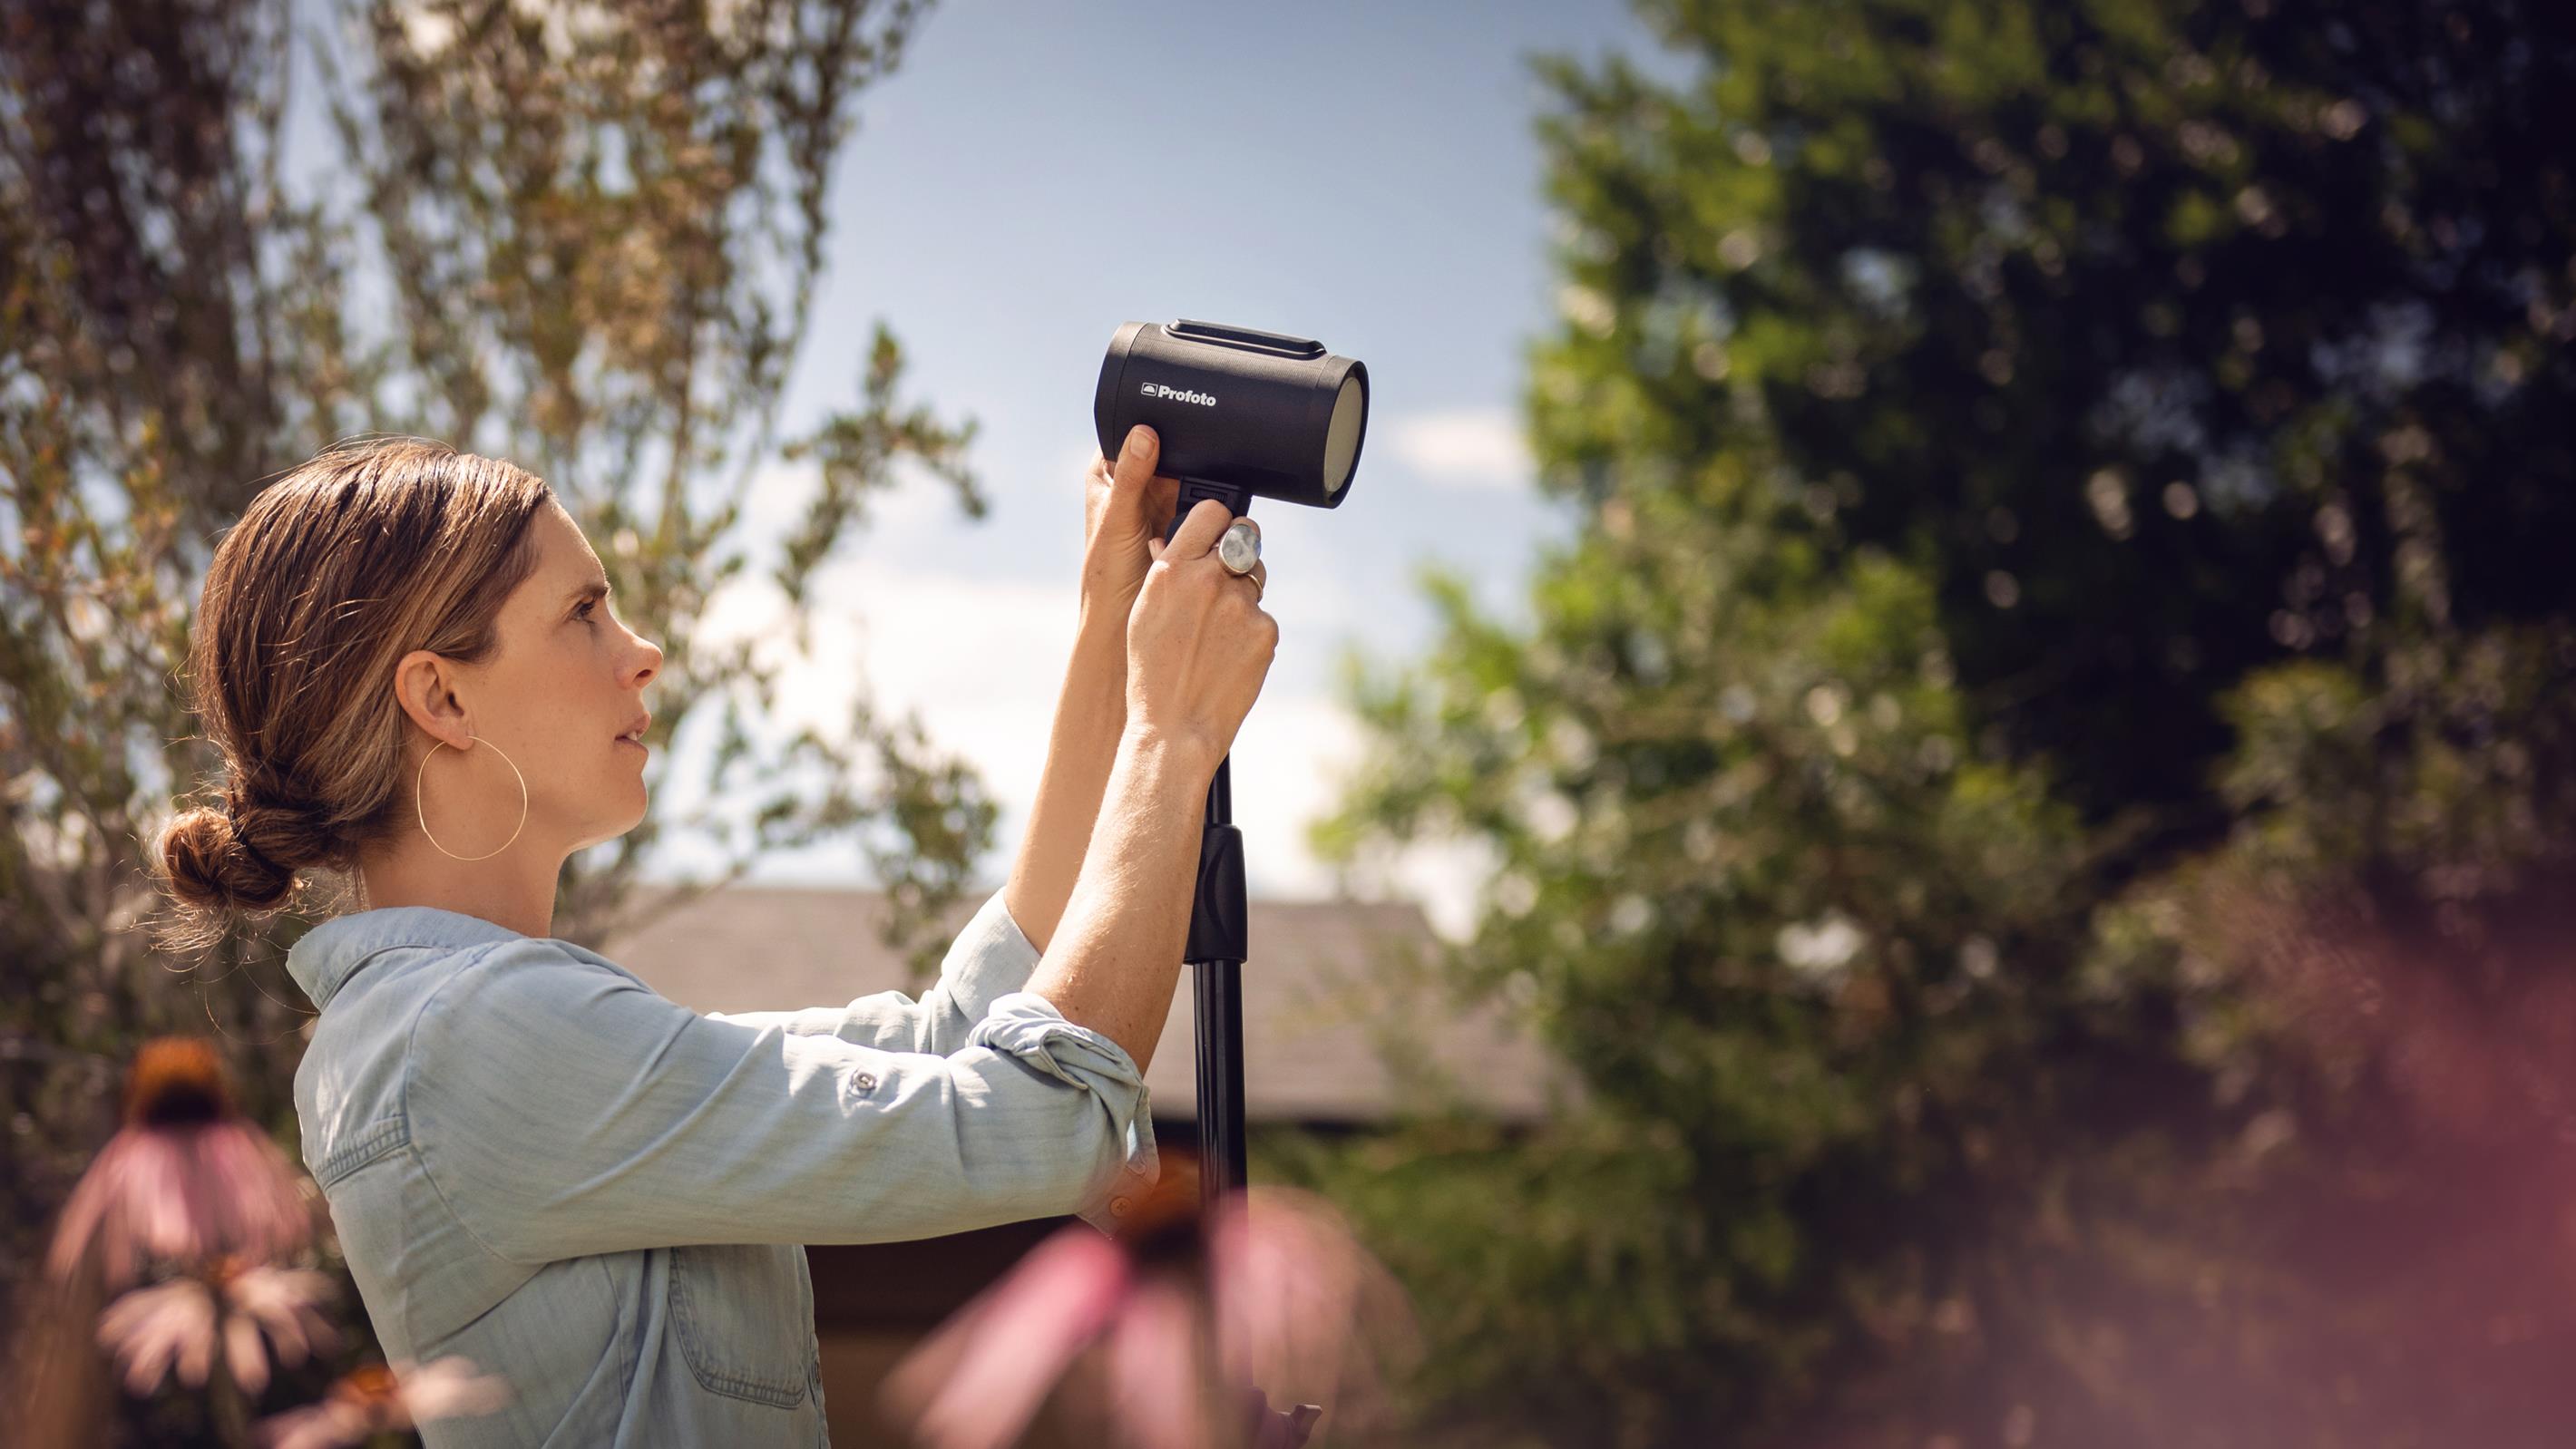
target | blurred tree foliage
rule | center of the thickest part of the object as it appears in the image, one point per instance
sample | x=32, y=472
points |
x=2041, y=798
x=581, y=237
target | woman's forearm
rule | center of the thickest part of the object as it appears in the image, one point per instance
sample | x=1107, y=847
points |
x=1090, y=713
x=1114, y=967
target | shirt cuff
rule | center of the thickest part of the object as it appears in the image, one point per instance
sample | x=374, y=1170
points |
x=1028, y=1027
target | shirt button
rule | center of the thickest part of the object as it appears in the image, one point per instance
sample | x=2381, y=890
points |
x=864, y=1082
x=1118, y=1207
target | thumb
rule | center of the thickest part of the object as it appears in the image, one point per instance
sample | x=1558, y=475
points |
x=1134, y=469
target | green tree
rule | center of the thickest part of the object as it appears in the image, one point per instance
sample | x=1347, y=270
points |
x=2037, y=798
x=584, y=238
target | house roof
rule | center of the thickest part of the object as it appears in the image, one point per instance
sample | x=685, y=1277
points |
x=1327, y=982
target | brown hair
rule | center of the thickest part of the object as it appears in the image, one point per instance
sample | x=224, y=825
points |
x=350, y=561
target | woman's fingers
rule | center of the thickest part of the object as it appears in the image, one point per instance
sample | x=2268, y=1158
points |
x=1199, y=530
x=1197, y=537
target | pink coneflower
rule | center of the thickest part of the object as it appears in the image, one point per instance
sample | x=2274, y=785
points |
x=377, y=1399
x=1276, y=1292
x=184, y=1179
x=179, y=1323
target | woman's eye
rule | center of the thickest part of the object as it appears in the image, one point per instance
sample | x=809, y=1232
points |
x=584, y=613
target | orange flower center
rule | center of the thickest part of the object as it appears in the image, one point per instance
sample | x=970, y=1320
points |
x=369, y=1386
x=176, y=1081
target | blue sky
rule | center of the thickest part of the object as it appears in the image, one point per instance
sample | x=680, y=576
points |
x=1035, y=175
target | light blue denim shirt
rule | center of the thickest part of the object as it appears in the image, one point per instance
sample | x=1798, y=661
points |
x=535, y=1161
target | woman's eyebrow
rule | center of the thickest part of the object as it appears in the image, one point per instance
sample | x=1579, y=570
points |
x=595, y=589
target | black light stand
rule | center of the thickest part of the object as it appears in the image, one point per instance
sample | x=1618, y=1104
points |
x=1215, y=953
x=1240, y=413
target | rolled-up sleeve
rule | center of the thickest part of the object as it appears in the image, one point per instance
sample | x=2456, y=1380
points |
x=1027, y=1027
x=562, y=1107
x=989, y=959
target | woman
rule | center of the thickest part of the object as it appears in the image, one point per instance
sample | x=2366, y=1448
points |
x=410, y=661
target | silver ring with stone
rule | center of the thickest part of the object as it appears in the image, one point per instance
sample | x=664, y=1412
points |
x=1239, y=547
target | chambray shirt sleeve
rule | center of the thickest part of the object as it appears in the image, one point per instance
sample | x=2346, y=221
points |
x=990, y=958
x=562, y=1107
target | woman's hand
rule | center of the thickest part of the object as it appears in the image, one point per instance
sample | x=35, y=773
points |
x=1199, y=643
x=1125, y=508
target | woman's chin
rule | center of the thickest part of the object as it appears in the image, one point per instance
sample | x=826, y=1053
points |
x=619, y=807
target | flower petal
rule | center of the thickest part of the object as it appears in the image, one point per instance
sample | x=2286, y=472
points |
x=286, y=1302
x=182, y=1192
x=315, y=1426
x=980, y=1377
x=449, y=1388
x=149, y=1327
x=243, y=1355
x=1301, y=1306
x=1158, y=1373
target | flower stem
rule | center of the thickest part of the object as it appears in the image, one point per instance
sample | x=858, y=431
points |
x=230, y=1411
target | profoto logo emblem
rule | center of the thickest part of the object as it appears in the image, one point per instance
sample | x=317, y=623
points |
x=1157, y=390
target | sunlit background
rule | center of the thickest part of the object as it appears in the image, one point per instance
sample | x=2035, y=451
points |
x=1925, y=800
x=1036, y=175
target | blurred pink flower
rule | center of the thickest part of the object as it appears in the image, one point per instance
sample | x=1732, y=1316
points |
x=151, y=1328
x=184, y=1179
x=1276, y=1290
x=377, y=1399
x=177, y=1323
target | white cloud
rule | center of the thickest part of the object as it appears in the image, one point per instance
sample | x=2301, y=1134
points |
x=980, y=659
x=778, y=494
x=1476, y=447
x=1289, y=760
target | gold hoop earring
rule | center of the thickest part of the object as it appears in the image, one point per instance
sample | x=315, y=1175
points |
x=424, y=818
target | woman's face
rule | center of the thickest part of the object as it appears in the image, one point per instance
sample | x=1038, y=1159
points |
x=567, y=679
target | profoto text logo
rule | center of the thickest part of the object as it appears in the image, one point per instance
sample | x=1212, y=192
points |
x=1158, y=390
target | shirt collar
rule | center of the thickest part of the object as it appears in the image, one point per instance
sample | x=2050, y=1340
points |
x=323, y=958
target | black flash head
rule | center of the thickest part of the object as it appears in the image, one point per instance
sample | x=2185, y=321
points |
x=1240, y=413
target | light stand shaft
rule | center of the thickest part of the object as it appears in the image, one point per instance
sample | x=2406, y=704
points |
x=1216, y=952
x=1218, y=988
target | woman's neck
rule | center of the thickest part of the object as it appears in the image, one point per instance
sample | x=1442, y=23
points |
x=515, y=898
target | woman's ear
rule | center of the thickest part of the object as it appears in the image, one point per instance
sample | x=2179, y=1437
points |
x=424, y=688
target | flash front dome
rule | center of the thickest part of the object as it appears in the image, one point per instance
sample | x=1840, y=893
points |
x=1251, y=412
x=1342, y=437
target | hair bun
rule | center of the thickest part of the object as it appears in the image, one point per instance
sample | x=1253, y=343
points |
x=214, y=863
